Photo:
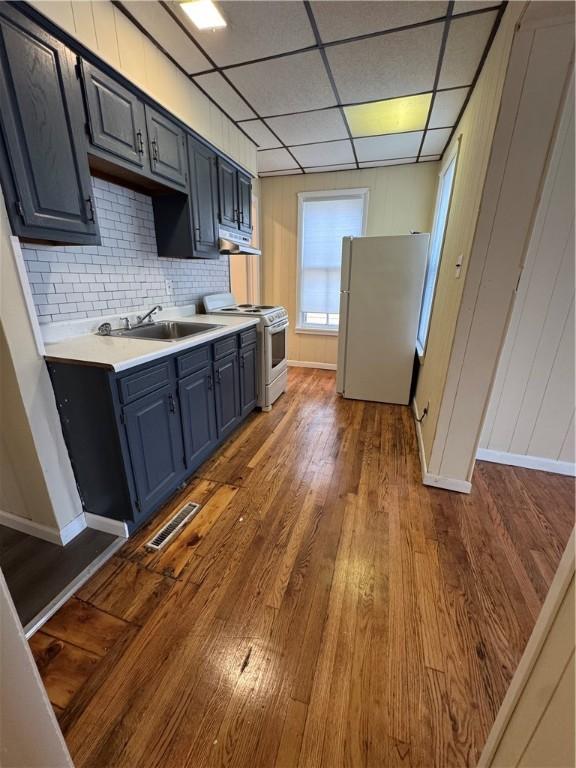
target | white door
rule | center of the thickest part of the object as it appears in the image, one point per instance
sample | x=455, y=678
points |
x=386, y=281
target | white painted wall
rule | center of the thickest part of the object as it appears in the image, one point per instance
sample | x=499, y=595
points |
x=531, y=409
x=108, y=33
x=29, y=733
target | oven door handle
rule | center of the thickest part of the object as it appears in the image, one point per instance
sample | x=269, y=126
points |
x=278, y=327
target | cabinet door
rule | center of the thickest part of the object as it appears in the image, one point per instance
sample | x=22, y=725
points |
x=228, y=194
x=116, y=117
x=248, y=379
x=198, y=419
x=227, y=392
x=155, y=443
x=245, y=202
x=45, y=166
x=167, y=148
x=203, y=191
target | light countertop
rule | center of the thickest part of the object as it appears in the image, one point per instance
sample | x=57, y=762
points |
x=120, y=353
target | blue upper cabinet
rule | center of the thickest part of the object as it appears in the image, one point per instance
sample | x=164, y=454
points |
x=167, y=148
x=44, y=165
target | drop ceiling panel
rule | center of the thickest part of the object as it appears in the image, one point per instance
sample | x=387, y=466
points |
x=275, y=160
x=289, y=84
x=164, y=29
x=261, y=134
x=462, y=6
x=322, y=125
x=335, y=153
x=388, y=147
x=467, y=39
x=435, y=141
x=430, y=158
x=215, y=85
x=339, y=20
x=447, y=106
x=327, y=168
x=254, y=30
x=295, y=172
x=398, y=64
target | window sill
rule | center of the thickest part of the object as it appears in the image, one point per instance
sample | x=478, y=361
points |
x=317, y=331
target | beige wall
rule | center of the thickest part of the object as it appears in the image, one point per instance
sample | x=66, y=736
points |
x=475, y=130
x=107, y=32
x=37, y=482
x=531, y=409
x=535, y=725
x=401, y=198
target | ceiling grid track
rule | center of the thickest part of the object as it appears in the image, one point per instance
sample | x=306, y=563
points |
x=437, y=75
x=191, y=37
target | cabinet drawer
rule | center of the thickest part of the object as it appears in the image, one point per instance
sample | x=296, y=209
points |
x=147, y=380
x=248, y=337
x=193, y=361
x=224, y=347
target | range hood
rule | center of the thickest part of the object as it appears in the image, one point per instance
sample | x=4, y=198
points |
x=231, y=242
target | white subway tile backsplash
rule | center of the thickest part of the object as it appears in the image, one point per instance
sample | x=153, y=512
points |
x=71, y=282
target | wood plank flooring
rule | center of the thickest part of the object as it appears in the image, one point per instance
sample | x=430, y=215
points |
x=323, y=609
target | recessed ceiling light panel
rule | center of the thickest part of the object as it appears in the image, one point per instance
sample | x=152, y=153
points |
x=204, y=14
x=391, y=116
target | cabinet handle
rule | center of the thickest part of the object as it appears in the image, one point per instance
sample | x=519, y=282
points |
x=171, y=403
x=90, y=207
x=218, y=376
x=154, y=150
x=241, y=361
x=241, y=217
x=209, y=382
x=140, y=143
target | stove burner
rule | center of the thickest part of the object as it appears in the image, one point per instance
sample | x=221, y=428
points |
x=253, y=310
x=228, y=309
x=243, y=306
x=264, y=306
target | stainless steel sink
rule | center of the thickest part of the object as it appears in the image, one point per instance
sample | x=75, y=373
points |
x=165, y=330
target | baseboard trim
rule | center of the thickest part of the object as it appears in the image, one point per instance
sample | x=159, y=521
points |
x=46, y=613
x=529, y=462
x=107, y=525
x=436, y=481
x=41, y=531
x=306, y=364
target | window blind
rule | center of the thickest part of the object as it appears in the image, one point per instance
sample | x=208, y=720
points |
x=324, y=223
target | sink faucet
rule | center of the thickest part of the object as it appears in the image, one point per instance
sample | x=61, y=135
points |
x=148, y=315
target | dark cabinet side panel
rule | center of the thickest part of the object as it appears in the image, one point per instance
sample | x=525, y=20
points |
x=248, y=379
x=204, y=198
x=227, y=194
x=42, y=123
x=245, y=202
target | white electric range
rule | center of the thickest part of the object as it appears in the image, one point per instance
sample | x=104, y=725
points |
x=272, y=330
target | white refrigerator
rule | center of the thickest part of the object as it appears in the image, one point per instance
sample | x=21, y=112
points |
x=380, y=296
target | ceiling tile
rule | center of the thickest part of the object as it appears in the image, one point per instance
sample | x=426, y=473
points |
x=429, y=158
x=462, y=6
x=398, y=64
x=435, y=141
x=254, y=30
x=334, y=152
x=165, y=31
x=447, y=106
x=347, y=19
x=390, y=116
x=225, y=96
x=466, y=42
x=322, y=125
x=274, y=160
x=261, y=134
x=285, y=85
x=388, y=147
x=381, y=163
x=327, y=168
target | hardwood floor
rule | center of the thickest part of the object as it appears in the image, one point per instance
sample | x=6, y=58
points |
x=323, y=609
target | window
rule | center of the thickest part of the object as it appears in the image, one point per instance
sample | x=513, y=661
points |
x=324, y=218
x=443, y=199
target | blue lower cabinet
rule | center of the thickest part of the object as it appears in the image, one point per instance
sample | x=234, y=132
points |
x=134, y=437
x=154, y=440
x=227, y=393
x=198, y=416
